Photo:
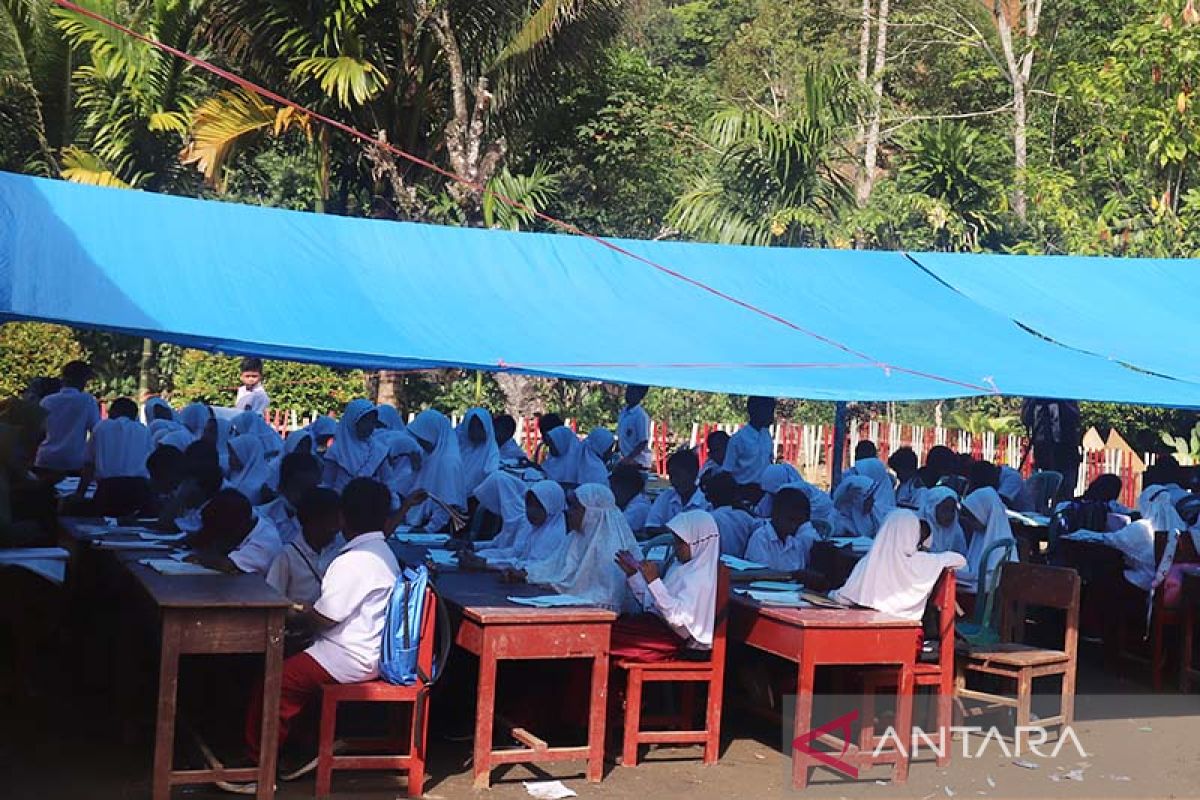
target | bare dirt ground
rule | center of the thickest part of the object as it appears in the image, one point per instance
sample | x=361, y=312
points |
x=1138, y=745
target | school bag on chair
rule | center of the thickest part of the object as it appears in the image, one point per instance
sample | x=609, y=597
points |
x=402, y=630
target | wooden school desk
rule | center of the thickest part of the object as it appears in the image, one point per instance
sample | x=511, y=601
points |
x=1189, y=605
x=496, y=629
x=813, y=637
x=207, y=615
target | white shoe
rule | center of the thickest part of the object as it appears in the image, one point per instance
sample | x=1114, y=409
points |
x=250, y=787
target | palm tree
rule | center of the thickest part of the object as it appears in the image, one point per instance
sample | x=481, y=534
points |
x=34, y=87
x=776, y=177
x=946, y=161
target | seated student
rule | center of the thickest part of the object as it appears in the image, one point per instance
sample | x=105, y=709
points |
x=717, y=445
x=299, y=474
x=115, y=457
x=1107, y=489
x=540, y=532
x=854, y=502
x=477, y=447
x=167, y=468
x=194, y=417
x=201, y=481
x=593, y=456
x=71, y=414
x=628, y=484
x=865, y=449
x=389, y=417
x=232, y=538
x=871, y=467
x=683, y=470
x=323, y=428
x=357, y=451
x=909, y=488
x=633, y=429
x=984, y=514
x=895, y=577
x=510, y=452
x=156, y=409
x=251, y=396
x=940, y=511
x=583, y=564
x=677, y=609
x=348, y=617
x=402, y=464
x=982, y=474
x=439, y=481
x=250, y=424
x=940, y=462
x=249, y=471
x=14, y=532
x=784, y=542
x=545, y=423
x=1167, y=473
x=774, y=478
x=1013, y=490
x=562, y=455
x=751, y=449
x=734, y=523
x=297, y=571
x=500, y=512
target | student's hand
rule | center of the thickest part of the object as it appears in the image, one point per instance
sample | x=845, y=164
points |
x=513, y=576
x=628, y=564
x=650, y=571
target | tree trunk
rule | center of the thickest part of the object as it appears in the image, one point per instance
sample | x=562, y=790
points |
x=387, y=387
x=1020, y=150
x=871, y=148
x=520, y=394
x=864, y=62
x=146, y=371
x=1019, y=67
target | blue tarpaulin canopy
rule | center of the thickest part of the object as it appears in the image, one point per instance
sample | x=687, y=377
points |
x=831, y=325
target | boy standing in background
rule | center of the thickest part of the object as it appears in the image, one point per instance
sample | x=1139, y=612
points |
x=251, y=396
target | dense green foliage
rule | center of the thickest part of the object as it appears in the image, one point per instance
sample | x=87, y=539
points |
x=763, y=121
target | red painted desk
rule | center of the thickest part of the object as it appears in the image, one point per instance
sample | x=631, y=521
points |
x=208, y=615
x=813, y=637
x=495, y=629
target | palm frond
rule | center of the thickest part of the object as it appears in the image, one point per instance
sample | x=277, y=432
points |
x=534, y=191
x=81, y=166
x=221, y=121
x=353, y=81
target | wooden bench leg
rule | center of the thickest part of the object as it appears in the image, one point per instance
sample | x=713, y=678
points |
x=633, y=718
x=420, y=725
x=1024, y=699
x=712, y=720
x=325, y=745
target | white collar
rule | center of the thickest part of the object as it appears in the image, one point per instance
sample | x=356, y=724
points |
x=363, y=539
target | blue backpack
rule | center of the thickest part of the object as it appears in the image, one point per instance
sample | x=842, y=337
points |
x=402, y=630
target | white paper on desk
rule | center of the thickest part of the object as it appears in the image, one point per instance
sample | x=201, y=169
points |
x=154, y=536
x=733, y=562
x=91, y=530
x=49, y=562
x=1030, y=519
x=548, y=790
x=443, y=558
x=858, y=544
x=552, y=601
x=501, y=563
x=104, y=544
x=167, y=566
x=777, y=586
x=776, y=598
x=421, y=538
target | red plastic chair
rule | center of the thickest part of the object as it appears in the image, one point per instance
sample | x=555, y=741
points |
x=379, y=691
x=689, y=673
x=939, y=676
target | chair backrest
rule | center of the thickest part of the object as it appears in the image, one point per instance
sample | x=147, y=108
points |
x=1036, y=585
x=989, y=579
x=720, y=621
x=1043, y=487
x=425, y=650
x=943, y=599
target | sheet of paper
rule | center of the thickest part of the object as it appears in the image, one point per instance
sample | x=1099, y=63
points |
x=443, y=558
x=421, y=538
x=166, y=566
x=49, y=562
x=777, y=586
x=91, y=529
x=154, y=536
x=552, y=601
x=733, y=562
x=1029, y=518
x=776, y=598
x=138, y=545
x=548, y=790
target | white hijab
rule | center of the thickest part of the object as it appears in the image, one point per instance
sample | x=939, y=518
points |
x=389, y=417
x=987, y=507
x=849, y=501
x=694, y=583
x=564, y=466
x=895, y=577
x=504, y=495
x=359, y=458
x=774, y=478
x=321, y=427
x=521, y=541
x=161, y=428
x=441, y=473
x=592, y=467
x=478, y=460
x=943, y=539
x=254, y=472
x=179, y=439
x=292, y=442
x=153, y=403
x=398, y=471
x=195, y=417
x=585, y=567
x=250, y=423
x=877, y=471
x=1155, y=504
x=1012, y=488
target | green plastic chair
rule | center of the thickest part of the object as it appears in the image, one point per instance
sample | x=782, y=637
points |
x=982, y=629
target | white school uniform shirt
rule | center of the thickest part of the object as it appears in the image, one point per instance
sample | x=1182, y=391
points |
x=789, y=555
x=637, y=511
x=297, y=571
x=255, y=399
x=633, y=428
x=735, y=526
x=70, y=417
x=750, y=451
x=281, y=514
x=669, y=505
x=354, y=594
x=258, y=549
x=119, y=448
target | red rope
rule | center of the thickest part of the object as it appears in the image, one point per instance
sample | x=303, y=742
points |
x=565, y=226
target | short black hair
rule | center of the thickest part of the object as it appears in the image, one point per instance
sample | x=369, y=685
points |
x=504, y=426
x=984, y=473
x=628, y=475
x=76, y=372
x=684, y=457
x=716, y=436
x=940, y=459
x=252, y=364
x=202, y=453
x=165, y=460
x=294, y=464
x=366, y=504
x=721, y=488
x=1106, y=487
x=318, y=503
x=209, y=477
x=548, y=422
x=123, y=407
x=865, y=449
x=760, y=401
x=904, y=459
x=790, y=496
